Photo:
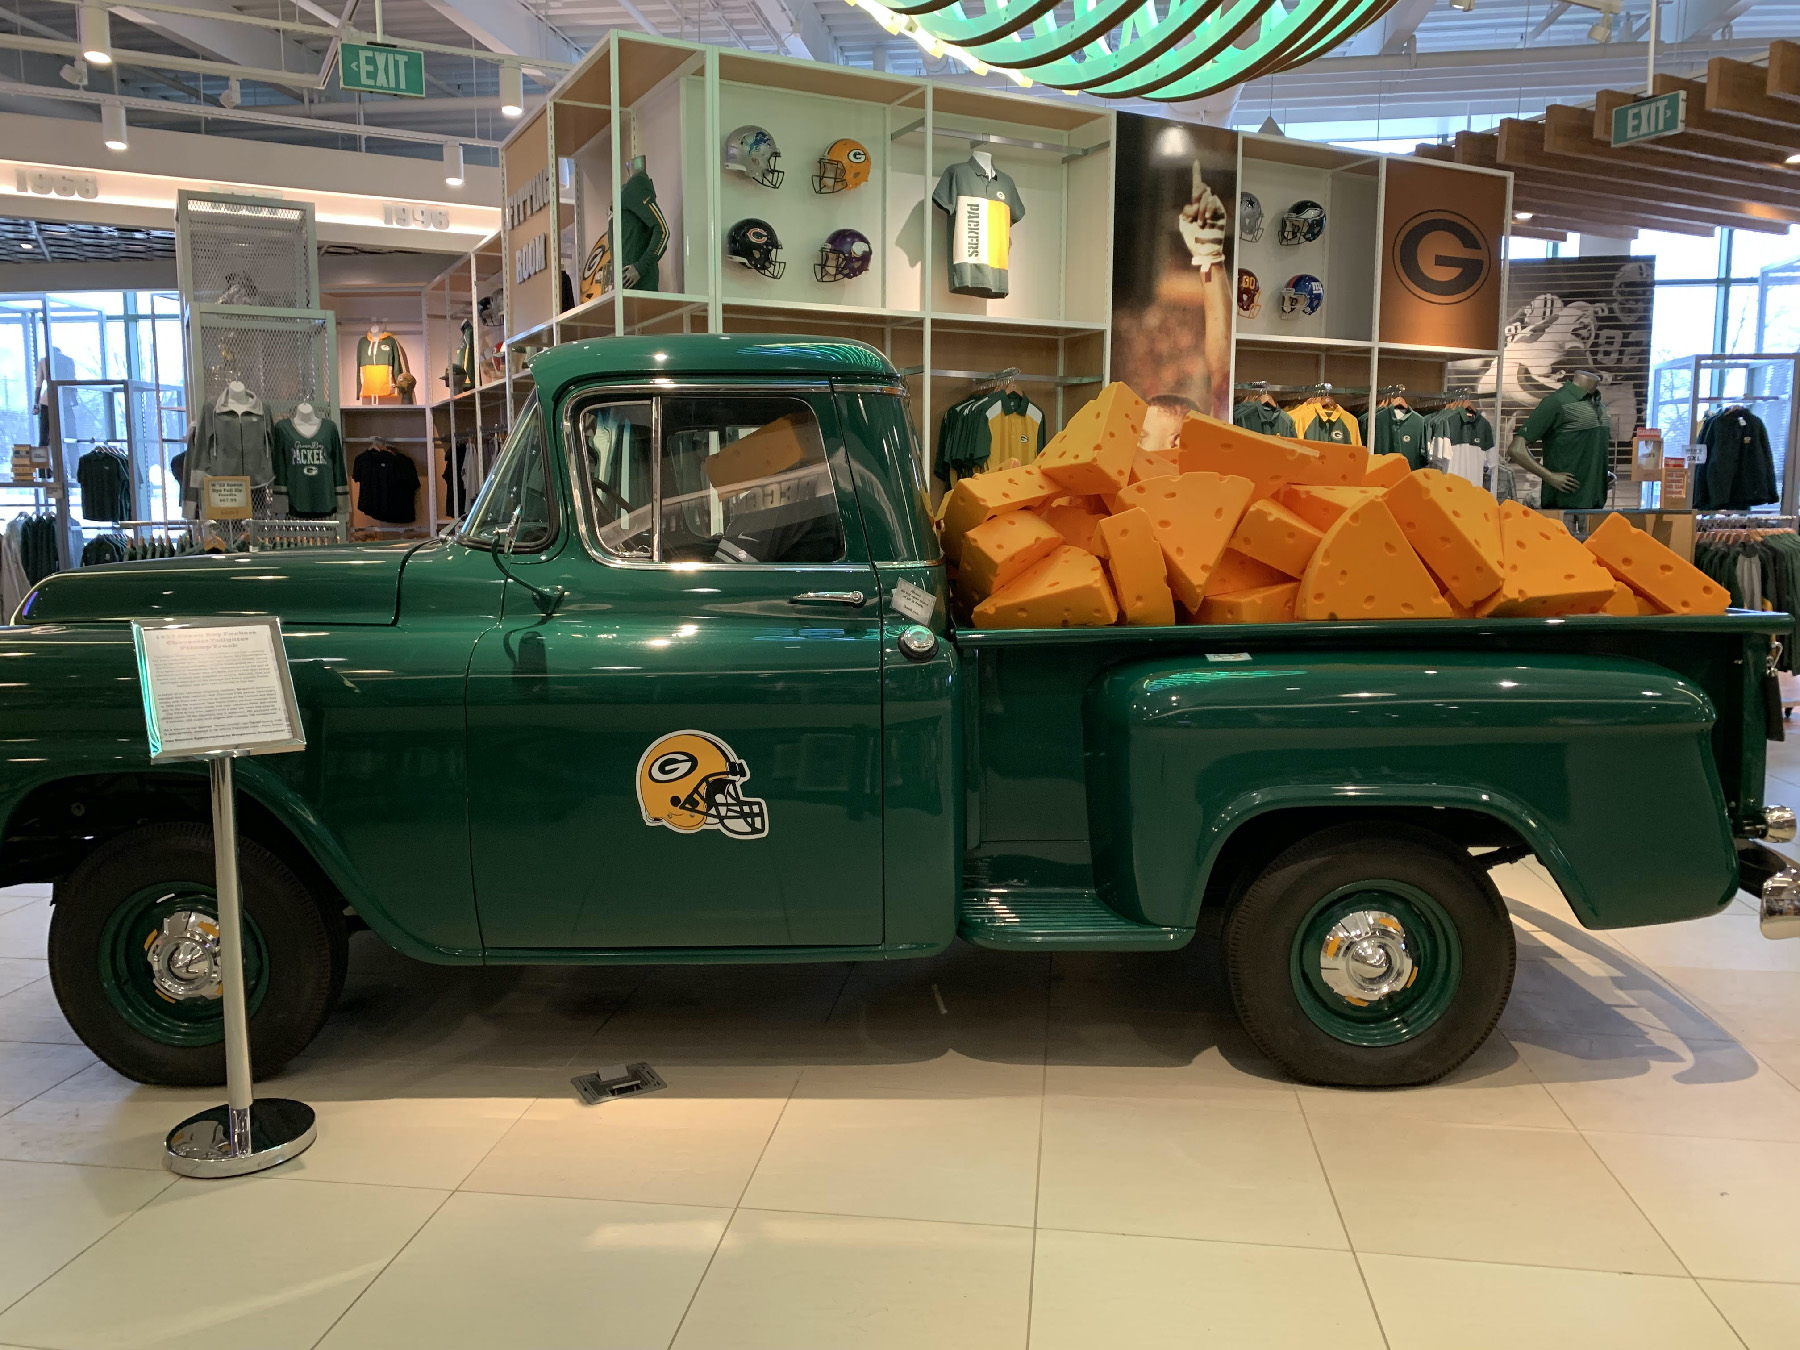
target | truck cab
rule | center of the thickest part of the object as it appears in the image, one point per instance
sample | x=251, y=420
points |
x=685, y=687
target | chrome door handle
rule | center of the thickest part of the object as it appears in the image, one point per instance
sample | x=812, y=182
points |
x=854, y=599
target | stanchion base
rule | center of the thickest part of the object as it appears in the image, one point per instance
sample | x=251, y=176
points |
x=280, y=1129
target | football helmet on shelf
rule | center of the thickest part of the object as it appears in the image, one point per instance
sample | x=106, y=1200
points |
x=1304, y=294
x=753, y=243
x=844, y=256
x=690, y=781
x=752, y=152
x=1249, y=293
x=1303, y=223
x=843, y=166
x=1250, y=218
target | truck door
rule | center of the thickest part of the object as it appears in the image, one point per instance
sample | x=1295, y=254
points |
x=686, y=752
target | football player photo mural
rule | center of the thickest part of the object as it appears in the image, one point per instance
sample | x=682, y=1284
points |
x=1174, y=241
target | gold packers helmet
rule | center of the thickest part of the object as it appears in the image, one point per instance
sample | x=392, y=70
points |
x=844, y=165
x=691, y=781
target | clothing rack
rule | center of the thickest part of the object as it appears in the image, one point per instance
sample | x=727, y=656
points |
x=1740, y=398
x=1739, y=520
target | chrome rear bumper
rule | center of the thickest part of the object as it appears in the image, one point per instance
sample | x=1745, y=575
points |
x=1775, y=882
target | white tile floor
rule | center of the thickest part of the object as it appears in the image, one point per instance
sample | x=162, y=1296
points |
x=977, y=1151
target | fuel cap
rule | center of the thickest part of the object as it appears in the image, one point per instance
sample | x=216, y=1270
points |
x=918, y=643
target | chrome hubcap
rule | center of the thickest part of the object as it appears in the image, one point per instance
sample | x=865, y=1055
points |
x=184, y=956
x=1365, y=957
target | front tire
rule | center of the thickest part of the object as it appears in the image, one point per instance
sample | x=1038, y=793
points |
x=131, y=930
x=1370, y=957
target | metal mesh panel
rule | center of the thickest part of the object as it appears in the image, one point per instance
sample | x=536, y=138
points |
x=239, y=253
x=283, y=360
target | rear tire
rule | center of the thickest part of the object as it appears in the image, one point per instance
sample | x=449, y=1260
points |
x=1370, y=956
x=110, y=910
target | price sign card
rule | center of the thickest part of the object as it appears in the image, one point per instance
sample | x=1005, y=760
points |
x=225, y=497
x=216, y=687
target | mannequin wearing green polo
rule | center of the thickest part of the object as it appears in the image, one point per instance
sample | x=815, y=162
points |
x=1575, y=432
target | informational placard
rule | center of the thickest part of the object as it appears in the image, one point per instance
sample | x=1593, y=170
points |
x=216, y=687
x=225, y=497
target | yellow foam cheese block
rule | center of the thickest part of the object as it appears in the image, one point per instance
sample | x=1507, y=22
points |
x=985, y=495
x=1321, y=506
x=1237, y=572
x=1386, y=470
x=1193, y=515
x=765, y=452
x=1076, y=519
x=1628, y=604
x=1365, y=569
x=1264, y=604
x=1455, y=527
x=1145, y=464
x=1653, y=569
x=1546, y=571
x=1066, y=590
x=997, y=550
x=1339, y=465
x=1093, y=453
x=1276, y=537
x=1207, y=445
x=1134, y=560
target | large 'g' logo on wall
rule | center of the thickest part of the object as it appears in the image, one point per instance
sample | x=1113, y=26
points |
x=1442, y=257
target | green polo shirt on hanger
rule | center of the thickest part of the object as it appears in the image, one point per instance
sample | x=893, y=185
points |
x=1576, y=434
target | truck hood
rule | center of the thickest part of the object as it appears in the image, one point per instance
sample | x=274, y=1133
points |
x=357, y=583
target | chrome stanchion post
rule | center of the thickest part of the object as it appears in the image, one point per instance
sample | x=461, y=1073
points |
x=243, y=1135
x=238, y=1089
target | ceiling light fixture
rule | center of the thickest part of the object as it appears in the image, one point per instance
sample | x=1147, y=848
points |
x=512, y=91
x=75, y=73
x=1792, y=159
x=453, y=165
x=1522, y=215
x=112, y=125
x=233, y=95
x=1602, y=30
x=93, y=28
x=1464, y=5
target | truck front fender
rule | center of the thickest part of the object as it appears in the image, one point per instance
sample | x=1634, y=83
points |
x=1603, y=766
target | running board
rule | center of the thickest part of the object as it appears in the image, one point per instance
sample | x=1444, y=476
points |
x=1056, y=919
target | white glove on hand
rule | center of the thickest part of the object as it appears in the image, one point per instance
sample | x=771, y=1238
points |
x=1202, y=226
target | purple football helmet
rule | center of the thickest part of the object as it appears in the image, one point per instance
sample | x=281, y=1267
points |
x=845, y=255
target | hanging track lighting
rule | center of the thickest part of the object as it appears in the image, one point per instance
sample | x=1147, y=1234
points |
x=512, y=90
x=453, y=165
x=112, y=126
x=93, y=29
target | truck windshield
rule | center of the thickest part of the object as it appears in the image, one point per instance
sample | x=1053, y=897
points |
x=519, y=484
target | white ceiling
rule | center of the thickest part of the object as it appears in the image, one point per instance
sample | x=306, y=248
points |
x=1423, y=67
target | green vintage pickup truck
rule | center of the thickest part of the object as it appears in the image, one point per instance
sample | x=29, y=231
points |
x=683, y=688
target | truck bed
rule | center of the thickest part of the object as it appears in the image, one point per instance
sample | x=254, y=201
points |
x=1036, y=751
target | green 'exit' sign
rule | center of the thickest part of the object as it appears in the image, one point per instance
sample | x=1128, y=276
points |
x=1649, y=118
x=381, y=70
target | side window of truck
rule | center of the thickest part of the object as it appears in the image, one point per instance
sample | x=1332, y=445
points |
x=517, y=490
x=743, y=479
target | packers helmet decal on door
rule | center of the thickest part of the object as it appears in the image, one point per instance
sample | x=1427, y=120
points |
x=691, y=781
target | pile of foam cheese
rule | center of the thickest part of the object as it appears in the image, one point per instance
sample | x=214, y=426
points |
x=1235, y=527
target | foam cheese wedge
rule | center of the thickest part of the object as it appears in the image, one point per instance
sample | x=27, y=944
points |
x=1207, y=445
x=1264, y=604
x=1339, y=465
x=1321, y=506
x=1194, y=515
x=1455, y=527
x=1628, y=604
x=997, y=550
x=1145, y=464
x=1076, y=519
x=1276, y=537
x=1385, y=471
x=1134, y=561
x=1365, y=569
x=1236, y=572
x=1093, y=453
x=1546, y=571
x=1653, y=569
x=986, y=495
x=1066, y=590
